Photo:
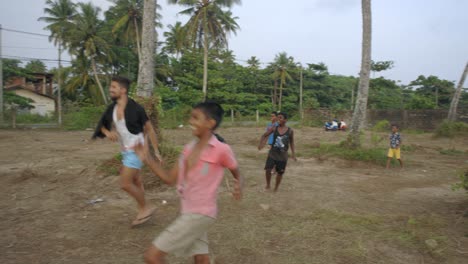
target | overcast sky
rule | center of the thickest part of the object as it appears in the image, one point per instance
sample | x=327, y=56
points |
x=422, y=37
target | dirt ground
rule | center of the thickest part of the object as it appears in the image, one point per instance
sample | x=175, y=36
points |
x=327, y=210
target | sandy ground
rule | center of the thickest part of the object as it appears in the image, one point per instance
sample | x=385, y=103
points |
x=328, y=210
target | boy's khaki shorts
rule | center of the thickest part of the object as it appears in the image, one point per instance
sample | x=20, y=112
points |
x=394, y=152
x=186, y=236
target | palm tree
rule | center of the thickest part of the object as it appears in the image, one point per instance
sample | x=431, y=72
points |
x=80, y=82
x=359, y=115
x=254, y=63
x=452, y=116
x=60, y=20
x=175, y=39
x=60, y=15
x=86, y=40
x=282, y=65
x=130, y=15
x=208, y=26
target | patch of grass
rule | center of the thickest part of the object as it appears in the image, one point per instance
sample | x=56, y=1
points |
x=111, y=166
x=451, y=129
x=451, y=152
x=409, y=148
x=463, y=184
x=34, y=119
x=410, y=131
x=374, y=155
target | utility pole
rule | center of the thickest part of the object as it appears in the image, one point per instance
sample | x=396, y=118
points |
x=59, y=85
x=1, y=79
x=301, y=109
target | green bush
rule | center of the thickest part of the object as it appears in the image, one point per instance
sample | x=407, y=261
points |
x=34, y=119
x=381, y=126
x=451, y=129
x=83, y=117
x=463, y=175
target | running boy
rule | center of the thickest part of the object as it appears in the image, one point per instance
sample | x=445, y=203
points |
x=197, y=177
x=395, y=143
x=283, y=136
x=126, y=121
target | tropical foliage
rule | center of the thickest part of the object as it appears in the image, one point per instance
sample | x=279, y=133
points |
x=193, y=62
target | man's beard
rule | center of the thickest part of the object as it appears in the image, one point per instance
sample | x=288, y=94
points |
x=115, y=98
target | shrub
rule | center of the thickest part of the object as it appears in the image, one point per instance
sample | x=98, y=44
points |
x=83, y=117
x=451, y=129
x=34, y=119
x=381, y=126
x=463, y=175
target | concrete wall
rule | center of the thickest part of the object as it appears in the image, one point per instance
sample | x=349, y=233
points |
x=42, y=105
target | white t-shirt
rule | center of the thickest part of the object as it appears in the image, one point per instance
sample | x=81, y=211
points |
x=127, y=140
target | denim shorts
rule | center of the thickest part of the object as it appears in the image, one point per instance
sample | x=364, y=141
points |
x=131, y=160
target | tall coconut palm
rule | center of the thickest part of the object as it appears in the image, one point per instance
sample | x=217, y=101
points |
x=282, y=66
x=130, y=14
x=452, y=115
x=208, y=26
x=253, y=63
x=60, y=14
x=86, y=39
x=359, y=115
x=175, y=39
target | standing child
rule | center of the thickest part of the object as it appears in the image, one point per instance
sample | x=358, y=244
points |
x=395, y=144
x=197, y=175
x=283, y=136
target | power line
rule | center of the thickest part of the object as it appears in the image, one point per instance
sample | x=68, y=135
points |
x=24, y=32
x=15, y=47
x=29, y=59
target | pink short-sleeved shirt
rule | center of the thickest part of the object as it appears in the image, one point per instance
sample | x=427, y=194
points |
x=198, y=188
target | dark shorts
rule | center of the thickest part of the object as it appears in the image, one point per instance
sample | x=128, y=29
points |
x=280, y=166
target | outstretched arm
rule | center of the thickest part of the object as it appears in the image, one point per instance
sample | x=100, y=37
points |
x=169, y=178
x=264, y=137
x=111, y=135
x=293, y=146
x=149, y=130
x=238, y=183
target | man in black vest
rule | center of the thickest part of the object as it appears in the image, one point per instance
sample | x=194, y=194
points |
x=126, y=121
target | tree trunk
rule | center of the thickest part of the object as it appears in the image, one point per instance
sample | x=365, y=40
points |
x=205, y=64
x=104, y=97
x=280, y=94
x=275, y=98
x=452, y=116
x=359, y=115
x=145, y=84
x=1, y=79
x=137, y=32
x=59, y=88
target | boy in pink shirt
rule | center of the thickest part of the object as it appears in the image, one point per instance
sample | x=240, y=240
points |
x=197, y=176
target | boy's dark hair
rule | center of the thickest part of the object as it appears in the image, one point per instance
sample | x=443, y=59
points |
x=274, y=113
x=211, y=110
x=122, y=81
x=283, y=114
x=395, y=125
